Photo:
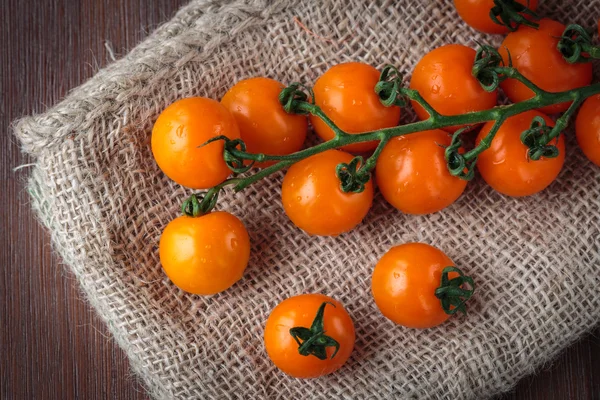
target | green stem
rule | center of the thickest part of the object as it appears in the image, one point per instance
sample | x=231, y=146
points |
x=563, y=121
x=486, y=142
x=541, y=99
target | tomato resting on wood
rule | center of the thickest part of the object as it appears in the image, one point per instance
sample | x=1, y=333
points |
x=309, y=335
x=506, y=166
x=412, y=174
x=313, y=199
x=346, y=94
x=535, y=55
x=404, y=285
x=443, y=78
x=205, y=255
x=179, y=132
x=264, y=125
x=587, y=127
x=476, y=13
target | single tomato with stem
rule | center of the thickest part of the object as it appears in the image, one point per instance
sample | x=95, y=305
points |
x=309, y=335
x=346, y=94
x=265, y=127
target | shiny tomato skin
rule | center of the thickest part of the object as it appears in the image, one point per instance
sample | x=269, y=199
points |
x=443, y=77
x=314, y=201
x=179, y=132
x=404, y=283
x=587, y=127
x=476, y=13
x=413, y=176
x=346, y=94
x=506, y=167
x=205, y=255
x=264, y=125
x=534, y=54
x=300, y=311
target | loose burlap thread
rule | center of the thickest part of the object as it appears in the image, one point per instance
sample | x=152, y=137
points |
x=105, y=202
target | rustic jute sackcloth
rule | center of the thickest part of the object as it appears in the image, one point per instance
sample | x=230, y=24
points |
x=96, y=187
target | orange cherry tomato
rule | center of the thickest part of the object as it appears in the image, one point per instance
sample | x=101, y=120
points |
x=476, y=13
x=179, y=131
x=314, y=201
x=412, y=174
x=587, y=127
x=443, y=77
x=506, y=167
x=205, y=255
x=534, y=54
x=289, y=327
x=264, y=125
x=346, y=94
x=404, y=282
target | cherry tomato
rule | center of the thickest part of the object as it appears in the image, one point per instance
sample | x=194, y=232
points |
x=346, y=93
x=289, y=326
x=179, y=131
x=476, y=13
x=314, y=201
x=404, y=283
x=587, y=127
x=412, y=174
x=264, y=125
x=443, y=77
x=506, y=167
x=205, y=255
x=535, y=54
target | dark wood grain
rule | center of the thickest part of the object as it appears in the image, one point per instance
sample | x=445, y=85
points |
x=53, y=346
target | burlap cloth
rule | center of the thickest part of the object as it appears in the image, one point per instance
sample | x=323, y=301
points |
x=96, y=187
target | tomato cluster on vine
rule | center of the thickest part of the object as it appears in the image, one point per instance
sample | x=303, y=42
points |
x=260, y=123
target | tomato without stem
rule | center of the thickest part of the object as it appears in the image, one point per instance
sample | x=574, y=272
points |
x=412, y=174
x=264, y=125
x=534, y=54
x=506, y=167
x=476, y=13
x=205, y=255
x=404, y=283
x=443, y=77
x=587, y=127
x=300, y=312
x=346, y=94
x=179, y=132
x=314, y=201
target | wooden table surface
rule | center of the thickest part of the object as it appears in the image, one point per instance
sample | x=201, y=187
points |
x=53, y=344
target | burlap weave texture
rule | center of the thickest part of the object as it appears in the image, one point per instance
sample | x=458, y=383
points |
x=96, y=187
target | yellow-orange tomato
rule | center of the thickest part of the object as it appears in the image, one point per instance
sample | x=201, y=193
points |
x=443, y=77
x=264, y=125
x=412, y=174
x=314, y=201
x=205, y=255
x=534, y=54
x=476, y=13
x=587, y=127
x=300, y=312
x=346, y=93
x=506, y=167
x=404, y=283
x=179, y=131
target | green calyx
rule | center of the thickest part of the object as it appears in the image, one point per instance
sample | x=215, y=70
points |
x=536, y=138
x=314, y=341
x=512, y=14
x=389, y=87
x=198, y=205
x=576, y=46
x=353, y=176
x=452, y=292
